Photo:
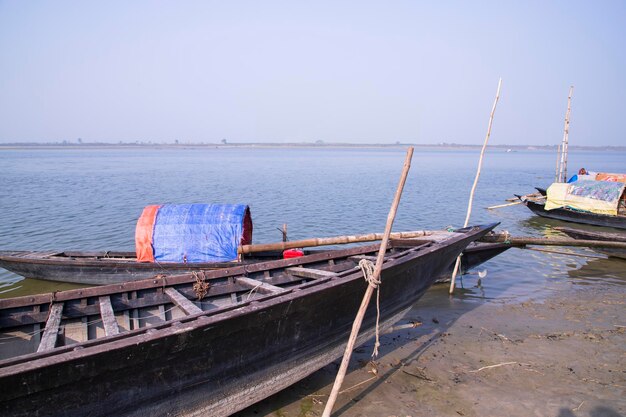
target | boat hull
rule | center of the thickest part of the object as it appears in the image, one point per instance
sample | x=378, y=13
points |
x=94, y=270
x=217, y=364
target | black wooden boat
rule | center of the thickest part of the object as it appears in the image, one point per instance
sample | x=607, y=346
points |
x=601, y=236
x=208, y=343
x=103, y=268
x=575, y=216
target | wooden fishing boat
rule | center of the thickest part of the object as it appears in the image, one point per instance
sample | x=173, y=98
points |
x=599, y=236
x=103, y=268
x=208, y=343
x=598, y=203
x=575, y=216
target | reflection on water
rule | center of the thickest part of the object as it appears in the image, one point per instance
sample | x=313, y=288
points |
x=19, y=286
x=609, y=270
x=90, y=199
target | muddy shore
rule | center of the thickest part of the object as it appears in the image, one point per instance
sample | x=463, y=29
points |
x=563, y=356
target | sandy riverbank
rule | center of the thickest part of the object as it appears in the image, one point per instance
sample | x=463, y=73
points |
x=564, y=356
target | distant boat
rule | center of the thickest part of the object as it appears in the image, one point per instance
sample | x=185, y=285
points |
x=598, y=203
x=569, y=215
x=209, y=343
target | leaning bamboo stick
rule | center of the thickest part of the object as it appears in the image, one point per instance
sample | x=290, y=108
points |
x=480, y=163
x=336, y=240
x=504, y=205
x=370, y=289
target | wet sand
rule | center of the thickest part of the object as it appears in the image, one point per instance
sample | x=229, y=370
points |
x=563, y=356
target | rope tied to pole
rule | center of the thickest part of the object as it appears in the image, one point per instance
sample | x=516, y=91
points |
x=367, y=267
x=507, y=237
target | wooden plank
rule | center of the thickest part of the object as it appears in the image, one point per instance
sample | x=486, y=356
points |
x=37, y=327
x=50, y=333
x=361, y=257
x=310, y=273
x=108, y=316
x=259, y=285
x=182, y=302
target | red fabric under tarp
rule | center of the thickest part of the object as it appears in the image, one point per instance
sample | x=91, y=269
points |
x=143, y=234
x=605, y=176
x=246, y=236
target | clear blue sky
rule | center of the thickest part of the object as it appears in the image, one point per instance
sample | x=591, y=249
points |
x=290, y=71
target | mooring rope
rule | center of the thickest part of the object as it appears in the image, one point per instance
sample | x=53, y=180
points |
x=367, y=267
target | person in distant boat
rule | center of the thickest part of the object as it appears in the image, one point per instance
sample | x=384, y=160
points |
x=583, y=174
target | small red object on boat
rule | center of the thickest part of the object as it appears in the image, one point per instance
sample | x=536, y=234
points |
x=293, y=253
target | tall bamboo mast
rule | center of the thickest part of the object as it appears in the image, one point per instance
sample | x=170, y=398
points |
x=564, y=143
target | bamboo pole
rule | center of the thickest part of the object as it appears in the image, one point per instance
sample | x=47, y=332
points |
x=504, y=205
x=518, y=200
x=556, y=168
x=564, y=146
x=480, y=163
x=370, y=289
x=527, y=240
x=336, y=240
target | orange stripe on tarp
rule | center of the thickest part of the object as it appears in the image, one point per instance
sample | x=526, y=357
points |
x=143, y=234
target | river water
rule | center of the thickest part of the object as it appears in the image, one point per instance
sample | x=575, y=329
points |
x=86, y=198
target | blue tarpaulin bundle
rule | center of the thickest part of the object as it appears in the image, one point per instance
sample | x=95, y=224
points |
x=200, y=232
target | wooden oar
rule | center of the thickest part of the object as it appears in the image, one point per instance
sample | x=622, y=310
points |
x=356, y=326
x=337, y=240
x=526, y=240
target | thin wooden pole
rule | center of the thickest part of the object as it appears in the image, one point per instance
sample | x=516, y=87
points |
x=480, y=163
x=356, y=325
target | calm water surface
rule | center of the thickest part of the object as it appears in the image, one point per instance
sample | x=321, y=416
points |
x=89, y=199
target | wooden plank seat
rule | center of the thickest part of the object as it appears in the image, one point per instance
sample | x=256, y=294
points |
x=310, y=273
x=50, y=333
x=186, y=305
x=108, y=316
x=260, y=286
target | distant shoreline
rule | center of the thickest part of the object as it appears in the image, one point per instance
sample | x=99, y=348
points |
x=443, y=146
